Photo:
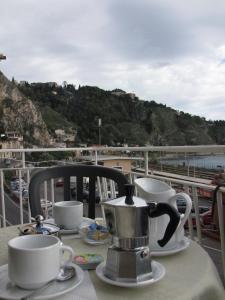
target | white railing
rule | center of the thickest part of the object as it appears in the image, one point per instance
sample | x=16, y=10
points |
x=187, y=185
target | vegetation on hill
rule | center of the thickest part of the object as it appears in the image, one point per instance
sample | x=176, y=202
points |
x=18, y=113
x=125, y=118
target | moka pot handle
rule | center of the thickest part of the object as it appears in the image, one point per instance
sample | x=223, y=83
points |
x=157, y=210
x=188, y=207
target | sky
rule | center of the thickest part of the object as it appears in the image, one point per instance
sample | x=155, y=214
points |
x=169, y=51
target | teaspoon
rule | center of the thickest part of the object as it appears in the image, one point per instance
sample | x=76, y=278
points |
x=65, y=273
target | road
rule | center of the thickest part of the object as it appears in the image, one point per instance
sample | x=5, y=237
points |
x=12, y=207
x=12, y=210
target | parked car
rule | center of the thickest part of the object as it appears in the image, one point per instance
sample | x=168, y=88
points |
x=205, y=215
x=15, y=184
x=59, y=182
x=204, y=212
x=206, y=218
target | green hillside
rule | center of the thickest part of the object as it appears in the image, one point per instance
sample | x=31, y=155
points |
x=125, y=119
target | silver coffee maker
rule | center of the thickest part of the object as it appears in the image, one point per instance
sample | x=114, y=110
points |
x=128, y=258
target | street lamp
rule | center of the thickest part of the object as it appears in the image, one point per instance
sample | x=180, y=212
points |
x=99, y=131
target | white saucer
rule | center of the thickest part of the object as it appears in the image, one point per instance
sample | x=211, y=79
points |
x=93, y=242
x=182, y=245
x=76, y=230
x=83, y=234
x=157, y=269
x=12, y=292
x=69, y=231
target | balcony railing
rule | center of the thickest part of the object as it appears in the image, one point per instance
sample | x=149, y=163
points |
x=24, y=170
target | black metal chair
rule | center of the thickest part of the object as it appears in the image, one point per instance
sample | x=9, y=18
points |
x=80, y=172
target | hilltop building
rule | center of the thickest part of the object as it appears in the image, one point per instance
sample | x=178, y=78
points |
x=63, y=139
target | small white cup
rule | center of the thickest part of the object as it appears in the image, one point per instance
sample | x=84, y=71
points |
x=34, y=260
x=68, y=214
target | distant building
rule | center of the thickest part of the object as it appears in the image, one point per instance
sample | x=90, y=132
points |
x=52, y=84
x=132, y=95
x=64, y=84
x=14, y=136
x=60, y=132
x=70, y=137
x=124, y=164
x=66, y=138
x=59, y=145
x=11, y=140
x=118, y=92
x=23, y=82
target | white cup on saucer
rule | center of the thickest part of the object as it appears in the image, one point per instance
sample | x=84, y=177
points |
x=68, y=214
x=34, y=260
x=157, y=191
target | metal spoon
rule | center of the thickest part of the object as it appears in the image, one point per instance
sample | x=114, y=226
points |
x=65, y=273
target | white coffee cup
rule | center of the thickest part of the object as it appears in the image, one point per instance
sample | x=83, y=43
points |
x=68, y=214
x=34, y=260
x=153, y=190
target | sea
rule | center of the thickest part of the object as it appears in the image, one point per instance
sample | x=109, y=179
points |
x=215, y=162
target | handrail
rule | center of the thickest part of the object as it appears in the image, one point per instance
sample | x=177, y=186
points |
x=186, y=184
x=212, y=149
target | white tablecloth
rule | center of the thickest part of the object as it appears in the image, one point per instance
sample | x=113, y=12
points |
x=190, y=275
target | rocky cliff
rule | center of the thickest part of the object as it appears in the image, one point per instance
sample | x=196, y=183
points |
x=18, y=113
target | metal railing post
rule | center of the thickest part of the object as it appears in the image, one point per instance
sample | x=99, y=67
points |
x=28, y=200
x=99, y=188
x=21, y=197
x=112, y=189
x=131, y=178
x=52, y=192
x=190, y=224
x=197, y=215
x=96, y=157
x=23, y=160
x=221, y=227
x=3, y=199
x=146, y=162
x=46, y=199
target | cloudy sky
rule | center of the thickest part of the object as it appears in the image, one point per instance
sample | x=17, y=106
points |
x=170, y=51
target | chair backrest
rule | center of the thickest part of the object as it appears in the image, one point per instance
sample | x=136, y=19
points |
x=80, y=172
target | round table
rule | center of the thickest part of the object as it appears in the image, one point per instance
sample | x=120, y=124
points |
x=190, y=274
